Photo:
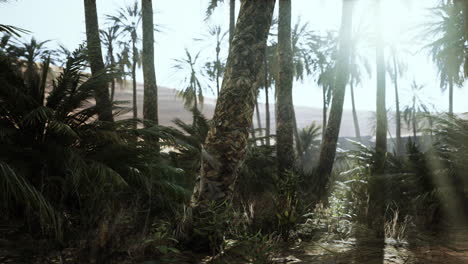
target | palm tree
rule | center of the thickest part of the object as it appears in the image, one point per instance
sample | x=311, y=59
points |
x=232, y=14
x=193, y=91
x=360, y=66
x=413, y=114
x=214, y=69
x=95, y=59
x=284, y=104
x=108, y=38
x=381, y=128
x=29, y=53
x=228, y=136
x=447, y=51
x=129, y=20
x=330, y=139
x=150, y=94
x=396, y=68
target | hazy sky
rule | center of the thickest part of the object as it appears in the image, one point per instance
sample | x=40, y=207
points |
x=181, y=21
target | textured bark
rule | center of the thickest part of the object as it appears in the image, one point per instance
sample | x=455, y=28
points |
x=330, y=138
x=95, y=59
x=399, y=143
x=284, y=103
x=355, y=117
x=227, y=139
x=232, y=19
x=381, y=129
x=150, y=94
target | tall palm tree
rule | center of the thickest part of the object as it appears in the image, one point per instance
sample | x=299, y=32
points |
x=330, y=139
x=381, y=127
x=192, y=94
x=150, y=93
x=447, y=51
x=360, y=67
x=214, y=69
x=232, y=14
x=109, y=38
x=228, y=136
x=129, y=20
x=284, y=104
x=95, y=59
x=30, y=52
x=396, y=68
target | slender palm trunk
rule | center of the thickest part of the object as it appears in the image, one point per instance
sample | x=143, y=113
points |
x=232, y=120
x=259, y=121
x=450, y=97
x=95, y=59
x=297, y=139
x=134, y=84
x=324, y=113
x=267, y=117
x=399, y=143
x=355, y=117
x=150, y=94
x=112, y=60
x=284, y=103
x=232, y=19
x=413, y=121
x=381, y=130
x=218, y=63
x=330, y=138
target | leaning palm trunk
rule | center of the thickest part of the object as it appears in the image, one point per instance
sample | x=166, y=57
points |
x=330, y=138
x=355, y=117
x=227, y=139
x=284, y=101
x=150, y=94
x=103, y=103
x=381, y=129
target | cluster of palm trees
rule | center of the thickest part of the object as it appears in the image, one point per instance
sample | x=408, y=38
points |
x=258, y=59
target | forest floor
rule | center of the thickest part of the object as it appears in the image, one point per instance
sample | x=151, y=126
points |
x=447, y=247
x=418, y=248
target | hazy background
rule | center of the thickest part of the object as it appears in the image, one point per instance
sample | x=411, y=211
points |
x=183, y=20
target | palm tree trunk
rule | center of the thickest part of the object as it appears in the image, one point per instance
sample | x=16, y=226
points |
x=227, y=139
x=413, y=121
x=330, y=138
x=399, y=143
x=267, y=117
x=232, y=19
x=112, y=59
x=465, y=26
x=95, y=59
x=450, y=97
x=134, y=84
x=324, y=114
x=381, y=130
x=259, y=121
x=150, y=94
x=218, y=63
x=284, y=103
x=355, y=117
x=298, y=142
